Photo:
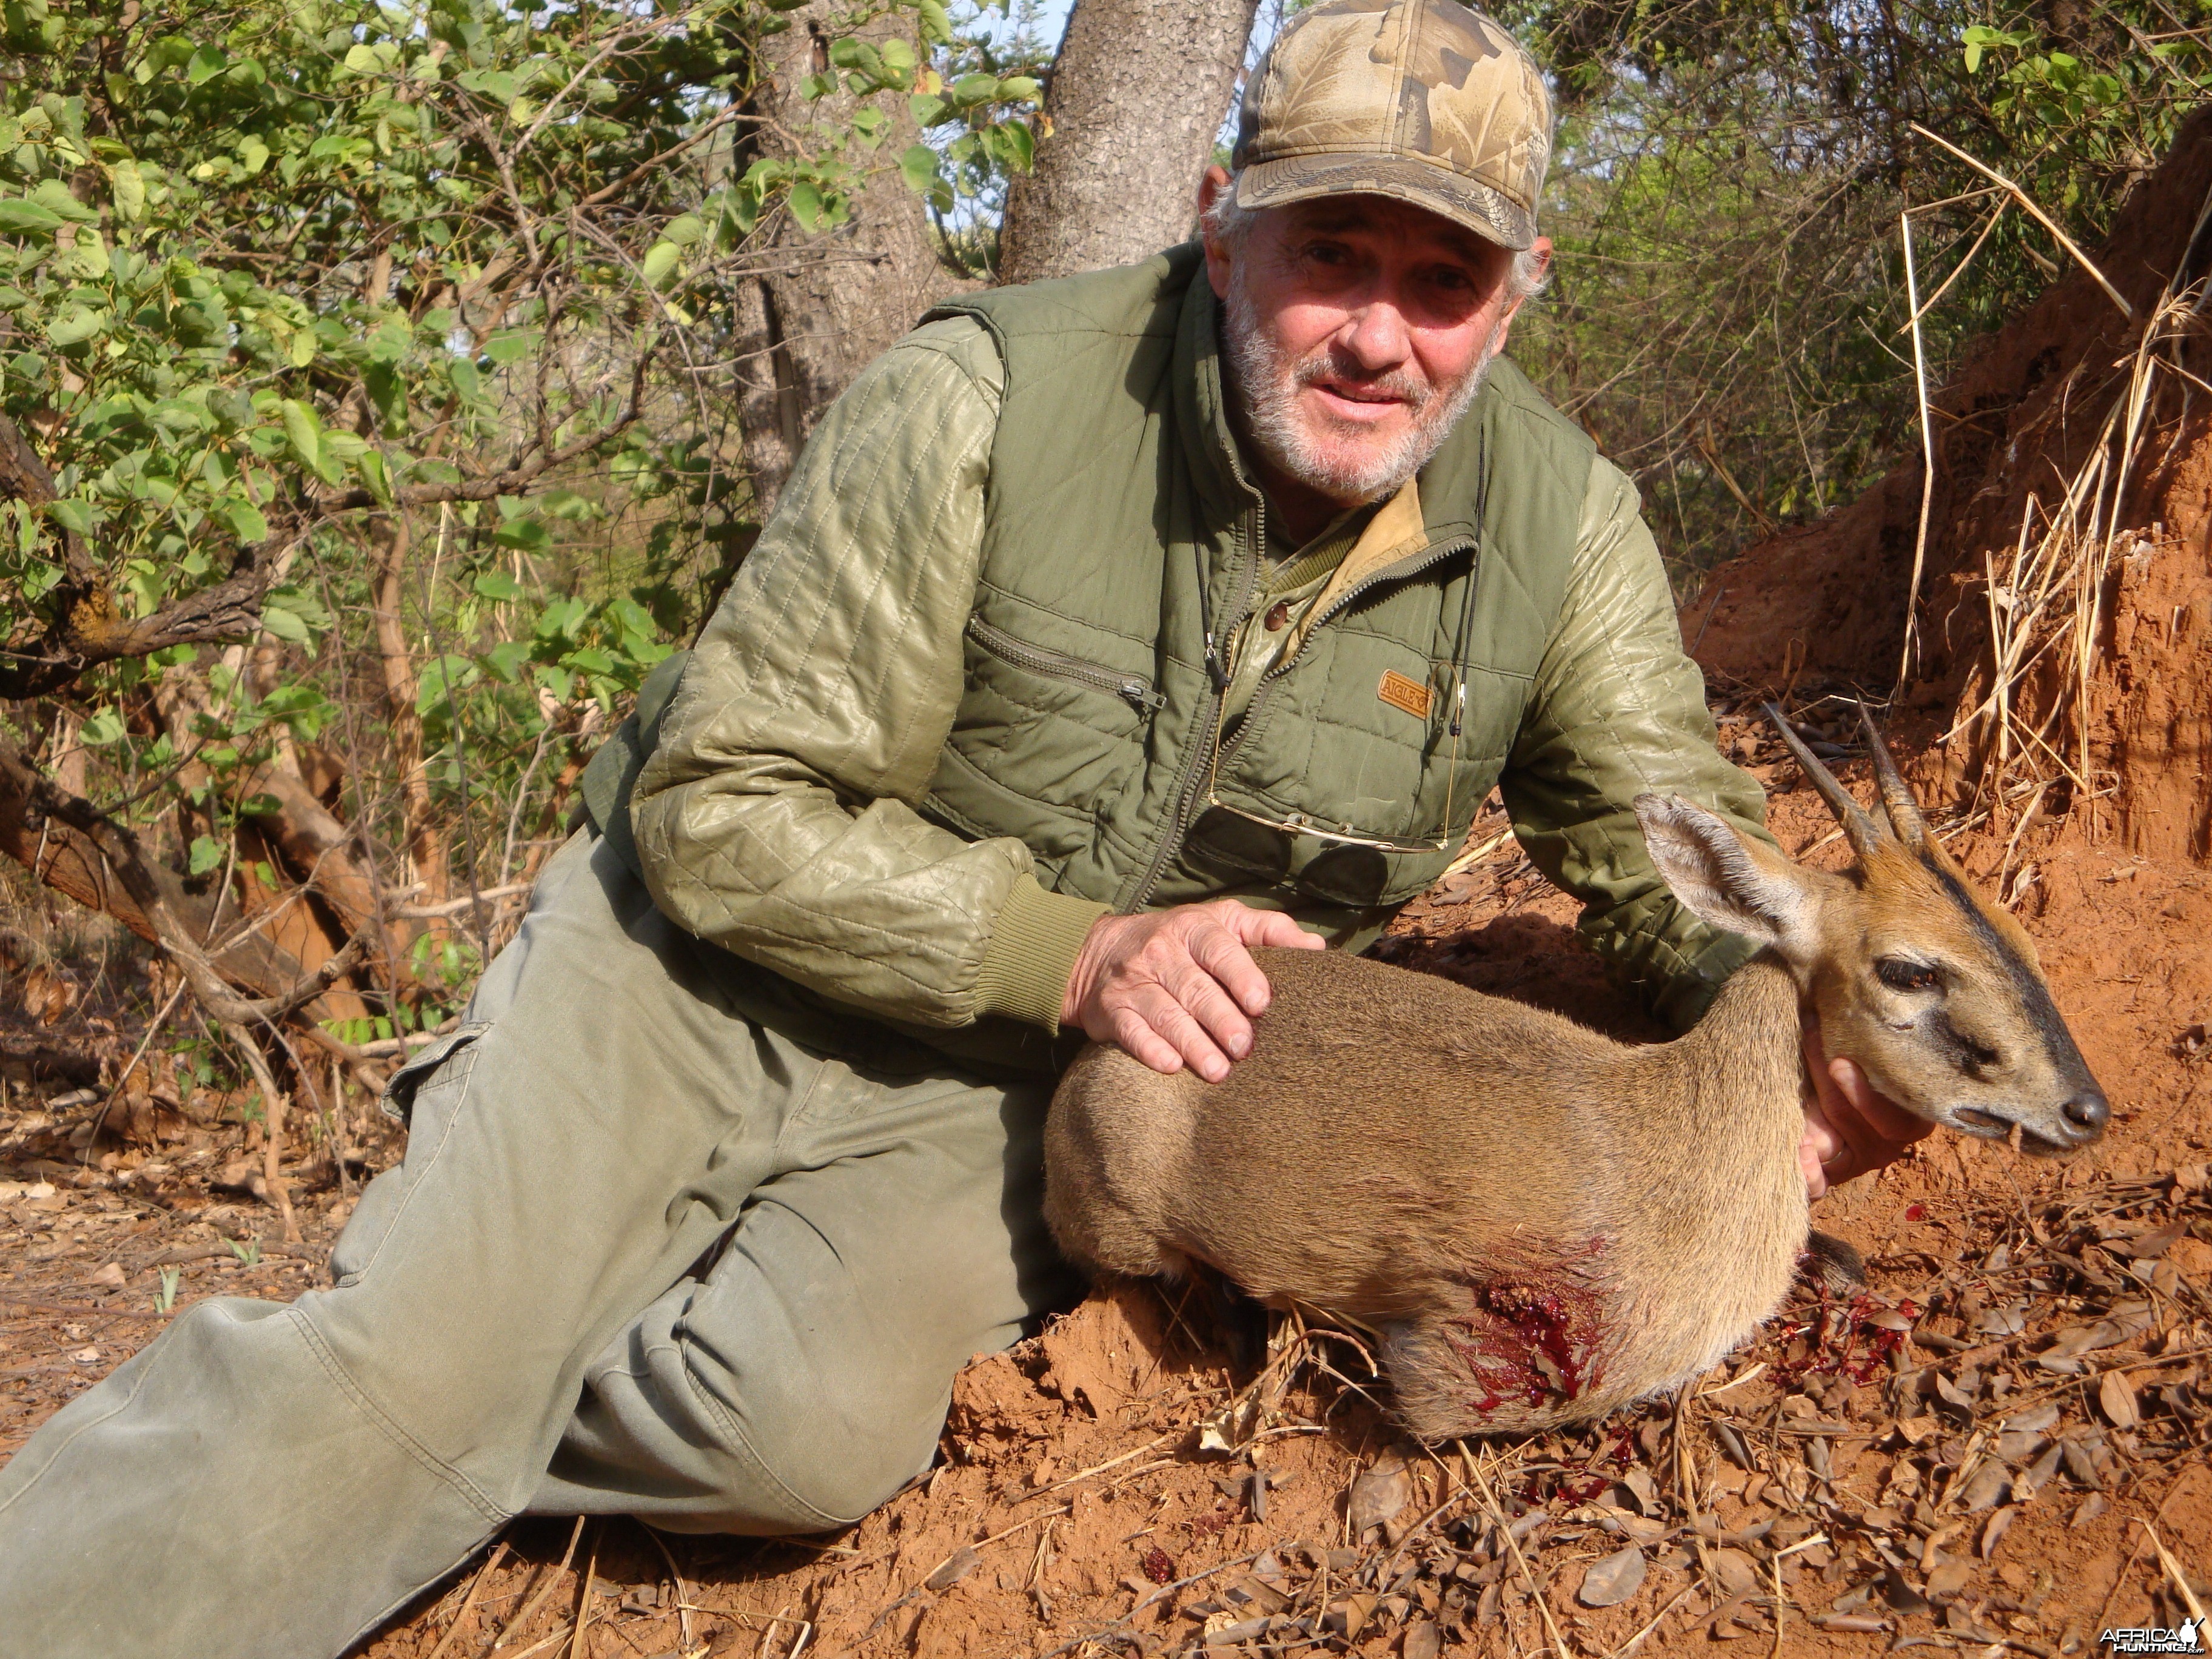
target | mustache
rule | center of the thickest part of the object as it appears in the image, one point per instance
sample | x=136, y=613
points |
x=1407, y=387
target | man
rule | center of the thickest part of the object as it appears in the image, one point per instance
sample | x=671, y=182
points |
x=1106, y=629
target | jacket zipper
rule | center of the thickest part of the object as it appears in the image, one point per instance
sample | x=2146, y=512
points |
x=1187, y=785
x=1133, y=689
x=1398, y=572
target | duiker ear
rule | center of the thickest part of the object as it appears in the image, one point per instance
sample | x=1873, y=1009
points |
x=1742, y=886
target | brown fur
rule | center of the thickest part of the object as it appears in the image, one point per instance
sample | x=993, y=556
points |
x=1545, y=1225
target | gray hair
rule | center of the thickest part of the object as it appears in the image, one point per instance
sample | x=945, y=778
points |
x=1229, y=224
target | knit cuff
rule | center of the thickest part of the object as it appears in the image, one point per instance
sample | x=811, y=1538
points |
x=1034, y=945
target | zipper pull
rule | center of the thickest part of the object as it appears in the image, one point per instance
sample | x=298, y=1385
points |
x=1214, y=669
x=1141, y=696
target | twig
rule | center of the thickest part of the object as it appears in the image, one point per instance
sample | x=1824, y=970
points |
x=682, y=1596
x=2173, y=1572
x=272, y=1124
x=1101, y=1468
x=1637, y=1640
x=2039, y=215
x=475, y=1587
x=537, y=1599
x=1527, y=1577
x=1164, y=1590
x=584, y=1602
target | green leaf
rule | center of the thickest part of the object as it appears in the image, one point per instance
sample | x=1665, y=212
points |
x=1018, y=89
x=511, y=345
x=918, y=166
x=102, y=728
x=245, y=521
x=807, y=205
x=936, y=21
x=373, y=473
x=659, y=260
x=1015, y=145
x=285, y=625
x=71, y=515
x=75, y=323
x=498, y=586
x=303, y=430
x=207, y=63
x=54, y=197
x=970, y=89
x=128, y=187
x=207, y=855
x=927, y=110
x=362, y=60
x=685, y=229
x=21, y=216
x=527, y=534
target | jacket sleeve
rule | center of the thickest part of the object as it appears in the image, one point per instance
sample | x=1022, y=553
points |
x=1619, y=709
x=777, y=816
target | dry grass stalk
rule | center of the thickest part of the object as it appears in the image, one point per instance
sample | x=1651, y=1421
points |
x=2046, y=595
x=1927, y=451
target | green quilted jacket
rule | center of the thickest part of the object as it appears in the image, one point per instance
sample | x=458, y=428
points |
x=878, y=780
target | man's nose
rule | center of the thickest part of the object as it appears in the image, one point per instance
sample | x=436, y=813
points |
x=1376, y=335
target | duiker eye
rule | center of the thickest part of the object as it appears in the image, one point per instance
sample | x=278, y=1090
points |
x=1902, y=973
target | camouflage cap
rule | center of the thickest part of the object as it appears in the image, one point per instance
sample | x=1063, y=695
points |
x=1430, y=101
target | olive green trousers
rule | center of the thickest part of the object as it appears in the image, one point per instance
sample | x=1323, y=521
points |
x=642, y=1257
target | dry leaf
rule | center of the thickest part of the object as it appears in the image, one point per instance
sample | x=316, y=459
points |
x=1950, y=1577
x=1993, y=1534
x=1735, y=1571
x=1423, y=1641
x=962, y=1562
x=2148, y=1246
x=111, y=1276
x=2116, y=1398
x=1380, y=1494
x=1613, y=1579
x=1986, y=1490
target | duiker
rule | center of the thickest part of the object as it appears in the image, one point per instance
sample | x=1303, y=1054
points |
x=1543, y=1223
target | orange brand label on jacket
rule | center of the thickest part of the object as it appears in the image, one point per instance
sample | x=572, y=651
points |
x=1401, y=693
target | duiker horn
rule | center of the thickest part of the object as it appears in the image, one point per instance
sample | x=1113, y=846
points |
x=1896, y=794
x=1863, y=832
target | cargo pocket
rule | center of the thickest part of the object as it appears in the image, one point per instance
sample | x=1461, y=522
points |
x=400, y=1094
x=423, y=1094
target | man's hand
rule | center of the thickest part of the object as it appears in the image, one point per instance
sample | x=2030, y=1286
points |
x=1178, y=988
x=1849, y=1128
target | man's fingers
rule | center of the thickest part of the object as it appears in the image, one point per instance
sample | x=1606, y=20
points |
x=1888, y=1120
x=1176, y=1023
x=1222, y=956
x=1134, y=1036
x=1201, y=995
x=1273, y=928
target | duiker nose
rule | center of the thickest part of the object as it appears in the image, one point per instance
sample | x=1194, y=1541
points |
x=2087, y=1112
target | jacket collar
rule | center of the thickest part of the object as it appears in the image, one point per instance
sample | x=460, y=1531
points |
x=1201, y=395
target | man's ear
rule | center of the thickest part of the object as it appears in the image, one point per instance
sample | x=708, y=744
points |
x=1210, y=188
x=1541, y=247
x=1740, y=886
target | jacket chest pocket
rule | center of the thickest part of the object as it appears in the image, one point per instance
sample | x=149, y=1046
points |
x=1045, y=739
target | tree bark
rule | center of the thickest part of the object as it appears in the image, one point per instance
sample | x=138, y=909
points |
x=842, y=295
x=1138, y=92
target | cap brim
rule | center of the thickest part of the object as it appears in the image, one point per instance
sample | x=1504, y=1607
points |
x=1488, y=213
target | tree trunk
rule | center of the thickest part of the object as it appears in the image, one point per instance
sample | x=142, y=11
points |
x=1138, y=93
x=842, y=295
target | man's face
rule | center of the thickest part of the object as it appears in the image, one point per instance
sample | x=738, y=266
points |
x=1356, y=329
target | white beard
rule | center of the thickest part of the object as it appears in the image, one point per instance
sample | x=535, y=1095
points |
x=1343, y=461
